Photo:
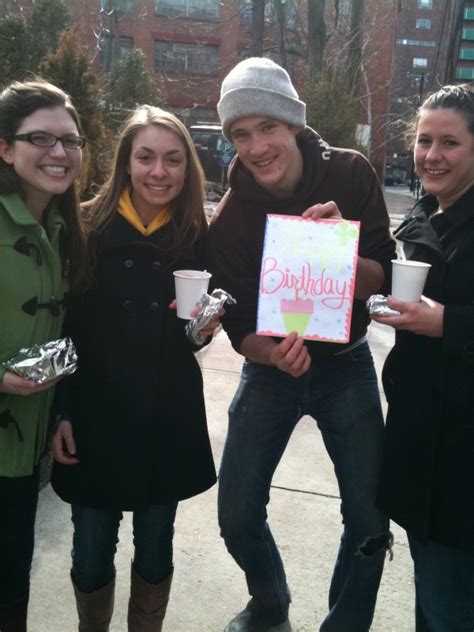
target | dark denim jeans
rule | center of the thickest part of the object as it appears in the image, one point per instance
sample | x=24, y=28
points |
x=341, y=394
x=96, y=537
x=18, y=500
x=444, y=581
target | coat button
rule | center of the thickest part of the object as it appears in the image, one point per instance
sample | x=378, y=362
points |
x=155, y=306
x=156, y=265
x=128, y=263
x=128, y=306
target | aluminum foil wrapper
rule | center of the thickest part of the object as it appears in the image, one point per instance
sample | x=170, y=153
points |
x=377, y=306
x=211, y=305
x=45, y=362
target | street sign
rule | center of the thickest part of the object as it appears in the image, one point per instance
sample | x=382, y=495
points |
x=226, y=153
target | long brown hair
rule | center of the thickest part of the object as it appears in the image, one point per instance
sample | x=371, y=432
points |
x=17, y=102
x=187, y=218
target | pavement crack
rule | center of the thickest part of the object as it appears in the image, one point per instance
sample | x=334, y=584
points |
x=305, y=491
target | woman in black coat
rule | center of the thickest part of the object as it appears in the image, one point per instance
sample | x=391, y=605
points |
x=133, y=433
x=427, y=479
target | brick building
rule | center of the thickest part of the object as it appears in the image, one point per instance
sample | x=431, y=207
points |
x=434, y=45
x=194, y=43
x=462, y=66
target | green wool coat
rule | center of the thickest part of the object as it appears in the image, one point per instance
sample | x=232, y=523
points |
x=31, y=274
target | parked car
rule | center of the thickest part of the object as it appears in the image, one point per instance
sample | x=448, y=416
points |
x=214, y=151
x=391, y=179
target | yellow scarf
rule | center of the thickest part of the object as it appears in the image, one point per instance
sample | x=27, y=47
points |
x=127, y=210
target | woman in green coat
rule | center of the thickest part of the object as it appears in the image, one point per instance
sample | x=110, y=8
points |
x=41, y=247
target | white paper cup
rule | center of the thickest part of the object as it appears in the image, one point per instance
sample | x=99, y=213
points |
x=190, y=285
x=408, y=279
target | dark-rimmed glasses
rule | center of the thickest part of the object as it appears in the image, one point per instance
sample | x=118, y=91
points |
x=44, y=139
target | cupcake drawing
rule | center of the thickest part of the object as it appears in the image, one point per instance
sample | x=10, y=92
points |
x=296, y=314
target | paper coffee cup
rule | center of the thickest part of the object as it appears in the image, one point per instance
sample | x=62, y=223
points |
x=190, y=285
x=408, y=279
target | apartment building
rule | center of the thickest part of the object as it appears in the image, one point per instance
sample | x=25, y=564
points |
x=463, y=59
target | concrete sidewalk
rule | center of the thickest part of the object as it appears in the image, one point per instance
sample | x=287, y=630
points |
x=208, y=587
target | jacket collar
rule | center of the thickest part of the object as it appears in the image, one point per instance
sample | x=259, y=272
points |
x=16, y=209
x=462, y=210
x=417, y=228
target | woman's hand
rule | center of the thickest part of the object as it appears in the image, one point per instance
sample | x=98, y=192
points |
x=63, y=445
x=212, y=326
x=424, y=318
x=13, y=384
x=329, y=210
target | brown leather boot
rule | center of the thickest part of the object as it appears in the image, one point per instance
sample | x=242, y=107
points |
x=147, y=605
x=95, y=609
x=13, y=618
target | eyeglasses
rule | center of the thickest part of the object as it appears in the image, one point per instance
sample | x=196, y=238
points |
x=43, y=139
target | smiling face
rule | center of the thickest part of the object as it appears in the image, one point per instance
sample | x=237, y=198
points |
x=444, y=154
x=43, y=171
x=157, y=169
x=269, y=151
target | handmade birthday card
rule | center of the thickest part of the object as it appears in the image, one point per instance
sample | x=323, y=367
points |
x=307, y=278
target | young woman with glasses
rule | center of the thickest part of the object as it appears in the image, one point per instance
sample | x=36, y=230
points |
x=41, y=259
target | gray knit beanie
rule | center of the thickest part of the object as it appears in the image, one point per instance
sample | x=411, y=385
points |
x=259, y=87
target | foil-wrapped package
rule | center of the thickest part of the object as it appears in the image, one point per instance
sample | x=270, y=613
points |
x=45, y=362
x=377, y=306
x=211, y=305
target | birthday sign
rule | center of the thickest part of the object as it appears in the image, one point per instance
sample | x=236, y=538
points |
x=307, y=278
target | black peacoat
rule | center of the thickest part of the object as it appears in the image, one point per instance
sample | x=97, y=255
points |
x=136, y=402
x=427, y=478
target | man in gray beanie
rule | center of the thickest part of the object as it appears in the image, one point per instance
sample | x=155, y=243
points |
x=284, y=167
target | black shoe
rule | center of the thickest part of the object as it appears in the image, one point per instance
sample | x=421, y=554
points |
x=254, y=619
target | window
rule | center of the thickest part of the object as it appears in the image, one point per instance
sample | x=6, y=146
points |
x=469, y=14
x=197, y=9
x=291, y=13
x=124, y=6
x=422, y=23
x=125, y=45
x=468, y=34
x=425, y=4
x=199, y=59
x=466, y=53
x=409, y=42
x=464, y=73
x=417, y=81
x=420, y=62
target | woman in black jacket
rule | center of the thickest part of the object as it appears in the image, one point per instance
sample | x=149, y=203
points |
x=427, y=480
x=133, y=434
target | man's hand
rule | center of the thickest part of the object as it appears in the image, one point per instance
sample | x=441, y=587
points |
x=13, y=384
x=329, y=210
x=291, y=355
x=63, y=445
x=424, y=318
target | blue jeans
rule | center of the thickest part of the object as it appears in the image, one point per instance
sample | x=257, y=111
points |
x=341, y=394
x=18, y=500
x=444, y=581
x=95, y=543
